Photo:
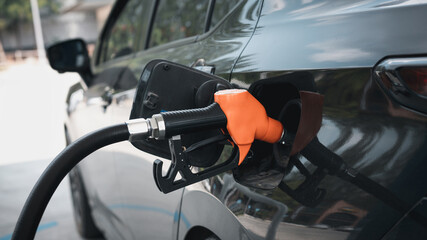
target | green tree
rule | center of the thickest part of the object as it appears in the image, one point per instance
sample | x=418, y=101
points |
x=15, y=12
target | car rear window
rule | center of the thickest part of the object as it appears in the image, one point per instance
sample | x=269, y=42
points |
x=124, y=34
x=221, y=9
x=178, y=19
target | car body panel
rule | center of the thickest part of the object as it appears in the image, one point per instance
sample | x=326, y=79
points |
x=199, y=208
x=385, y=142
x=333, y=34
x=337, y=44
x=330, y=41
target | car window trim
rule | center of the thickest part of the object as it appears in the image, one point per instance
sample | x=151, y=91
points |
x=208, y=19
x=172, y=44
x=151, y=24
x=117, y=9
x=208, y=16
x=220, y=22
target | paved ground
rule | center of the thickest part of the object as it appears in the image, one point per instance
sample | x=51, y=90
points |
x=16, y=181
x=32, y=110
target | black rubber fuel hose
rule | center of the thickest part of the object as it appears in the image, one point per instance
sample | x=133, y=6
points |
x=321, y=156
x=43, y=190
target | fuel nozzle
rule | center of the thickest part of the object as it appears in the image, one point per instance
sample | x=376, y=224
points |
x=234, y=109
x=247, y=120
x=240, y=115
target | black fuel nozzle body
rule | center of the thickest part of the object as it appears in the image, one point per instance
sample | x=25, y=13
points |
x=240, y=116
x=170, y=125
x=167, y=124
x=193, y=120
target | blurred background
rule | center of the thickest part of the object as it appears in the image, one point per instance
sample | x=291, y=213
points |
x=32, y=102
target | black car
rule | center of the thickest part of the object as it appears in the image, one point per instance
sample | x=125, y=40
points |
x=364, y=61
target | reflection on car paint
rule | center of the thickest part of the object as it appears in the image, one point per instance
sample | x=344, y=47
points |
x=176, y=215
x=345, y=205
x=378, y=147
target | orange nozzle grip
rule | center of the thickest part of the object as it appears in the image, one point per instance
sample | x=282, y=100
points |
x=247, y=120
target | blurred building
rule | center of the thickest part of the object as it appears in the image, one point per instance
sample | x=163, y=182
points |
x=75, y=19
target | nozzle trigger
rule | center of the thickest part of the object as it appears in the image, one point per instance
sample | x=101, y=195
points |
x=180, y=164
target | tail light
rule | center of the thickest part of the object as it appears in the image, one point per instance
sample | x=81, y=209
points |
x=405, y=81
x=415, y=78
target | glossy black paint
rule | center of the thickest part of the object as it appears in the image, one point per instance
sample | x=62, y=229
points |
x=360, y=125
x=335, y=44
x=293, y=35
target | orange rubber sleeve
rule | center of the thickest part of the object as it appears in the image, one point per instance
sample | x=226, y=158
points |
x=247, y=120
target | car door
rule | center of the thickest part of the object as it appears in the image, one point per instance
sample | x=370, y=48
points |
x=117, y=44
x=191, y=34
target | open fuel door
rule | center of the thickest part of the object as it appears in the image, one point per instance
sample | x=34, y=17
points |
x=166, y=86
